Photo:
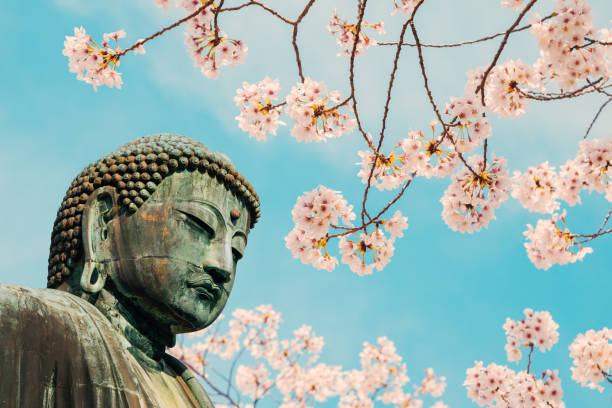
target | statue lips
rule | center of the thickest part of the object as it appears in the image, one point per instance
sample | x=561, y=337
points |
x=205, y=286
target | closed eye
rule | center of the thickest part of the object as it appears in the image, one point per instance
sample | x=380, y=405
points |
x=200, y=224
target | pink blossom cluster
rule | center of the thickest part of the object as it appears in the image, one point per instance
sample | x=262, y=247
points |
x=406, y=7
x=504, y=87
x=594, y=161
x=428, y=157
x=318, y=210
x=537, y=188
x=254, y=381
x=537, y=329
x=548, y=243
x=290, y=367
x=592, y=354
x=499, y=386
x=515, y=5
x=565, y=54
x=258, y=115
x=389, y=171
x=315, y=120
x=540, y=187
x=431, y=384
x=346, y=34
x=95, y=64
x=208, y=46
x=363, y=252
x=383, y=374
x=469, y=202
x=313, y=214
x=415, y=154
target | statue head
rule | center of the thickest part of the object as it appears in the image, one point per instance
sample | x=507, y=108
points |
x=160, y=223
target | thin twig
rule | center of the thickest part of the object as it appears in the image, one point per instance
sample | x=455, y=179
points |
x=296, y=23
x=601, y=108
x=529, y=362
x=360, y=14
x=170, y=27
x=385, y=114
x=599, y=232
x=459, y=44
x=553, y=96
x=500, y=49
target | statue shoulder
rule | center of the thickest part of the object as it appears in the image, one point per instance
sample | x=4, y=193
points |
x=57, y=349
x=35, y=315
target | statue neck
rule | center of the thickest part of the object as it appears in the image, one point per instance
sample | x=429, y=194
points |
x=149, y=340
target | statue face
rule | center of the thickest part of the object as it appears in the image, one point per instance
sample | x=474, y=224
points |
x=176, y=256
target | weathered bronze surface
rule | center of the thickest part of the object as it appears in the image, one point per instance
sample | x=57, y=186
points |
x=144, y=247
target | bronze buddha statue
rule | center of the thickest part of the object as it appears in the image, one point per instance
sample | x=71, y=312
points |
x=144, y=247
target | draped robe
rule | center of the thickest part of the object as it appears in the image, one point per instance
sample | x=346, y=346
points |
x=58, y=350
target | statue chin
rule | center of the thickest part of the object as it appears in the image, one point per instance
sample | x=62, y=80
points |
x=145, y=246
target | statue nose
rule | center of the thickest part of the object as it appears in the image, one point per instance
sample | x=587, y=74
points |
x=219, y=262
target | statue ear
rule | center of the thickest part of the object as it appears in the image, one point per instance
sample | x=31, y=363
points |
x=99, y=210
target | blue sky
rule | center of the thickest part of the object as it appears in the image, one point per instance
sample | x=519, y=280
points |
x=444, y=296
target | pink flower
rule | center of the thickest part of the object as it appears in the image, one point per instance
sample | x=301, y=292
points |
x=469, y=202
x=515, y=5
x=592, y=354
x=365, y=252
x=346, y=34
x=258, y=115
x=314, y=119
x=537, y=329
x=537, y=189
x=209, y=49
x=548, y=244
x=92, y=63
x=165, y=4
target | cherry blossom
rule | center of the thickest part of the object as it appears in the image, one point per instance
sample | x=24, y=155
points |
x=427, y=156
x=289, y=367
x=165, y=4
x=317, y=209
x=432, y=384
x=346, y=34
x=549, y=243
x=314, y=119
x=406, y=7
x=364, y=252
x=258, y=115
x=513, y=4
x=537, y=329
x=469, y=202
x=592, y=354
x=396, y=224
x=499, y=386
x=537, y=188
x=95, y=64
x=562, y=55
x=209, y=46
x=253, y=381
x=570, y=182
x=472, y=127
x=389, y=171
x=595, y=163
x=503, y=94
x=313, y=214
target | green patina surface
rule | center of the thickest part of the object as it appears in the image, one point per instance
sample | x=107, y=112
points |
x=130, y=274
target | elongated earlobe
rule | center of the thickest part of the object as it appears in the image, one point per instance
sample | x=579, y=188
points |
x=100, y=208
x=93, y=277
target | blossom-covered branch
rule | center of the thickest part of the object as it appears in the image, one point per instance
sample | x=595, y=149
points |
x=575, y=59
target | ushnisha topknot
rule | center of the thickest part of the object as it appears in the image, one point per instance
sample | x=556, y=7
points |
x=135, y=170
